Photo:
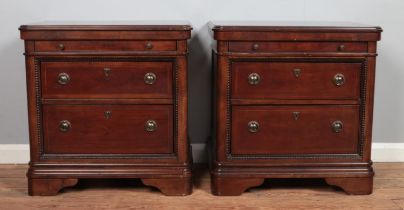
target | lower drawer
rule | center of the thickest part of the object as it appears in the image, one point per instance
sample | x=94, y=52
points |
x=305, y=129
x=108, y=129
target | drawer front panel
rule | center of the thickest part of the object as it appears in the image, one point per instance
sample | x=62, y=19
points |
x=300, y=80
x=107, y=79
x=281, y=130
x=96, y=46
x=108, y=129
x=298, y=46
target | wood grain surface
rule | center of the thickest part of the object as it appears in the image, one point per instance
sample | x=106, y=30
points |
x=273, y=194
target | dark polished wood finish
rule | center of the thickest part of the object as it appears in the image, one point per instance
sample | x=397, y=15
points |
x=108, y=129
x=106, y=79
x=278, y=79
x=48, y=186
x=297, y=47
x=106, y=45
x=299, y=194
x=107, y=101
x=292, y=100
x=308, y=131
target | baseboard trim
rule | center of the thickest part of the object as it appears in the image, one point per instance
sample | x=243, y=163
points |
x=14, y=153
x=388, y=152
x=381, y=152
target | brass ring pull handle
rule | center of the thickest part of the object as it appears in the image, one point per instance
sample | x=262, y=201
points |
x=61, y=47
x=341, y=47
x=63, y=78
x=337, y=126
x=255, y=46
x=254, y=79
x=253, y=126
x=150, y=125
x=64, y=126
x=339, y=79
x=150, y=78
x=149, y=45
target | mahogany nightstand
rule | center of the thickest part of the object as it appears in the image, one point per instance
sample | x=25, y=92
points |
x=108, y=100
x=293, y=100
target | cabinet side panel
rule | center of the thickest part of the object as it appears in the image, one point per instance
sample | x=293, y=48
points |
x=370, y=85
x=181, y=109
x=34, y=107
x=222, y=106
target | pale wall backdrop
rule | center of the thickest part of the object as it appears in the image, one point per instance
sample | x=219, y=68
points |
x=389, y=109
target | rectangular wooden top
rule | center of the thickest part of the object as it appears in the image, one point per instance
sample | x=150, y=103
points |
x=114, y=30
x=293, y=31
x=291, y=26
x=108, y=26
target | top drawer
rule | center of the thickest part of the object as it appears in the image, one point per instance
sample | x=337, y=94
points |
x=298, y=47
x=295, y=80
x=66, y=46
x=107, y=79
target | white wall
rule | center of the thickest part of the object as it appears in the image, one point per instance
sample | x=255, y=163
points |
x=389, y=114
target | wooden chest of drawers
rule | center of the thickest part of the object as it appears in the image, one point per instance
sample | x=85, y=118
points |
x=292, y=101
x=108, y=101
